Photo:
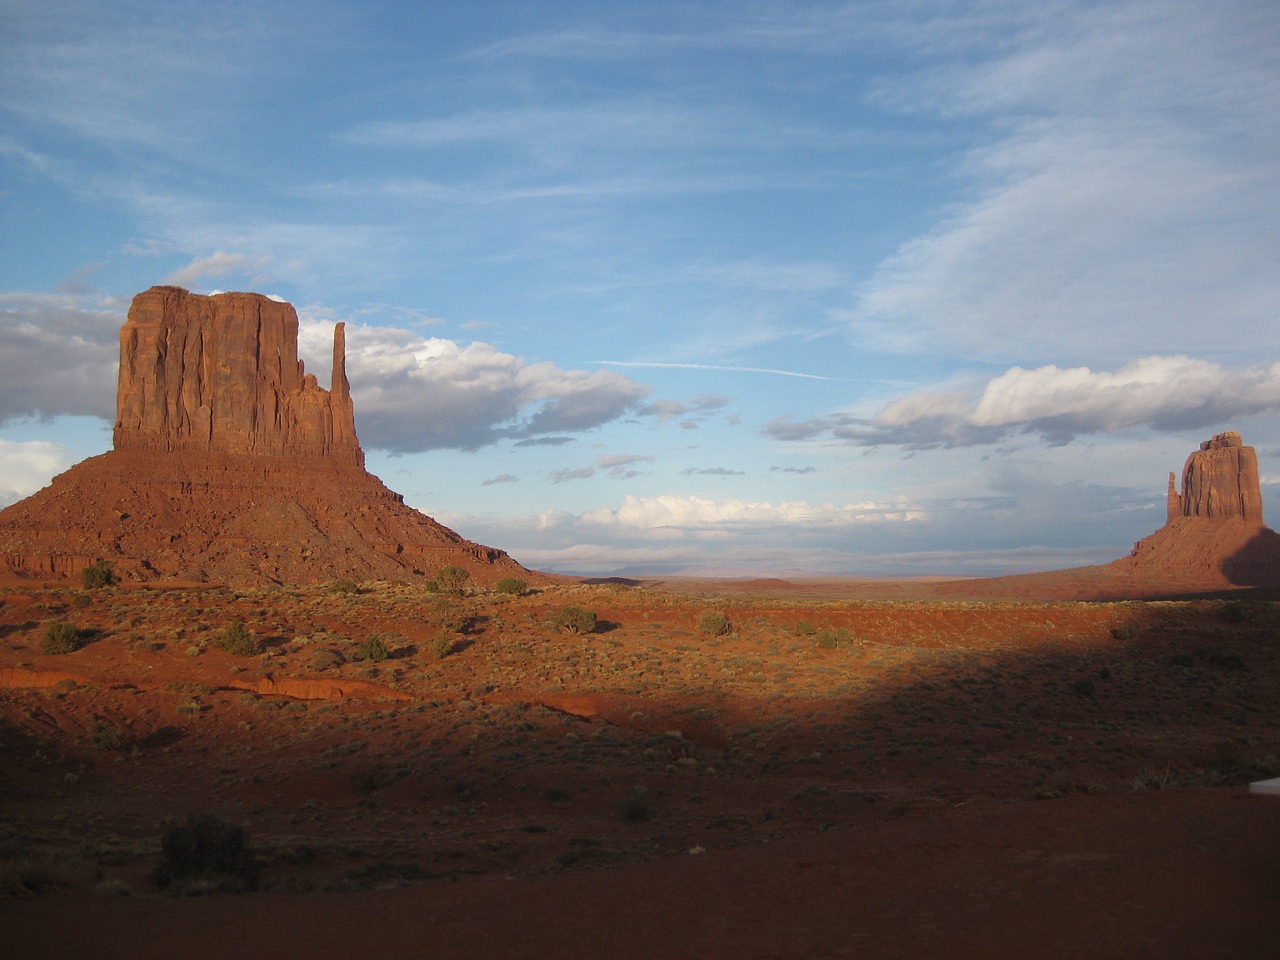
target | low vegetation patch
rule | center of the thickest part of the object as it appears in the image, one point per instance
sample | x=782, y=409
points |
x=713, y=623
x=575, y=620
x=62, y=637
x=206, y=855
x=238, y=641
x=97, y=575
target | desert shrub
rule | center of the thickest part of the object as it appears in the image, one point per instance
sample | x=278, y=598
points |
x=638, y=806
x=344, y=586
x=207, y=849
x=1154, y=778
x=1235, y=612
x=829, y=639
x=447, y=614
x=452, y=579
x=575, y=620
x=804, y=628
x=238, y=641
x=1125, y=632
x=374, y=649
x=81, y=600
x=62, y=637
x=97, y=574
x=442, y=645
x=512, y=585
x=713, y=623
x=107, y=736
x=327, y=659
x=1083, y=688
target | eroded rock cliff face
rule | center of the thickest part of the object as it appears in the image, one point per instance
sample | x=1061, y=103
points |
x=231, y=465
x=221, y=374
x=1219, y=480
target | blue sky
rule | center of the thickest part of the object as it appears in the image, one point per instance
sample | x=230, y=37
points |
x=741, y=288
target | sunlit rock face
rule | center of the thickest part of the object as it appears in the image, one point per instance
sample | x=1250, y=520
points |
x=1219, y=481
x=221, y=374
x=231, y=465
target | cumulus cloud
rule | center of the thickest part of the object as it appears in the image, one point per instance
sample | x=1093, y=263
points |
x=58, y=355
x=1159, y=392
x=415, y=393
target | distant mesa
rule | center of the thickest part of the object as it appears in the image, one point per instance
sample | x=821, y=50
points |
x=230, y=464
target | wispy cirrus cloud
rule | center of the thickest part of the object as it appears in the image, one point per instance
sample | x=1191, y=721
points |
x=617, y=466
x=711, y=366
x=1128, y=191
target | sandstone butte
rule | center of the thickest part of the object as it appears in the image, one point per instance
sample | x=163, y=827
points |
x=1213, y=541
x=232, y=465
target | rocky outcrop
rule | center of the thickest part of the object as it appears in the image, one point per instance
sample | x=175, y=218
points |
x=1220, y=480
x=1213, y=541
x=221, y=374
x=231, y=465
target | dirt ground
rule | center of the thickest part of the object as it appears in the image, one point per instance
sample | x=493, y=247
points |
x=847, y=769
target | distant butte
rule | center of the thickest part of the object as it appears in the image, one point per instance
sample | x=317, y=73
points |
x=1214, y=541
x=230, y=464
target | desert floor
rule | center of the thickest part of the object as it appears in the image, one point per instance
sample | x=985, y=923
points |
x=851, y=769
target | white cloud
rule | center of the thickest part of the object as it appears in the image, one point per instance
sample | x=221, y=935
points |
x=59, y=354
x=415, y=393
x=1127, y=197
x=25, y=467
x=219, y=264
x=1161, y=393
x=674, y=514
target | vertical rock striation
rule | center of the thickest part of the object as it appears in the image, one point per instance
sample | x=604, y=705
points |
x=232, y=465
x=1220, y=480
x=221, y=374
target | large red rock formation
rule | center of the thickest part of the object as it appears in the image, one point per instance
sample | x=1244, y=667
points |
x=1219, y=480
x=221, y=374
x=1214, y=540
x=231, y=464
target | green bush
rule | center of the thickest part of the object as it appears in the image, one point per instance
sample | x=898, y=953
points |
x=374, y=649
x=442, y=645
x=207, y=849
x=326, y=659
x=713, y=623
x=62, y=637
x=575, y=620
x=804, y=628
x=829, y=639
x=512, y=585
x=1126, y=631
x=107, y=736
x=238, y=641
x=452, y=579
x=98, y=574
x=344, y=586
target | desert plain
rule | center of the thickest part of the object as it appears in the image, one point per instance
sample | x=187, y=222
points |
x=742, y=768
